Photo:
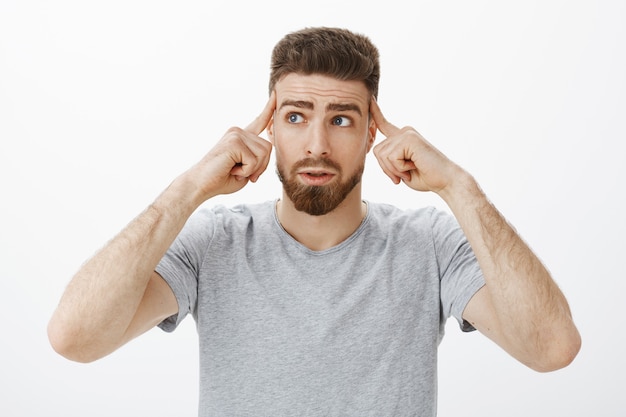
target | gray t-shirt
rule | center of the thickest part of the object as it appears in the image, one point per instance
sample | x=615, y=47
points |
x=349, y=331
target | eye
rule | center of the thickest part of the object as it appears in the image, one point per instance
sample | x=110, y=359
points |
x=295, y=118
x=342, y=121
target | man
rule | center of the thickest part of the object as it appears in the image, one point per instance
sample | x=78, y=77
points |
x=318, y=303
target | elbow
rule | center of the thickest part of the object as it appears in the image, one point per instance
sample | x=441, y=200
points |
x=560, y=353
x=66, y=343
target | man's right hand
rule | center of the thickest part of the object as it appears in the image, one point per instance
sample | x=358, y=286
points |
x=117, y=295
x=240, y=156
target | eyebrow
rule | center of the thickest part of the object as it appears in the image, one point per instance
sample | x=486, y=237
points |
x=303, y=104
x=344, y=107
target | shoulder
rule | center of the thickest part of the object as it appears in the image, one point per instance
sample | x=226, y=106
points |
x=210, y=221
x=389, y=215
x=428, y=222
x=241, y=213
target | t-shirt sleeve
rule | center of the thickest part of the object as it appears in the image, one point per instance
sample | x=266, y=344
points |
x=460, y=274
x=181, y=265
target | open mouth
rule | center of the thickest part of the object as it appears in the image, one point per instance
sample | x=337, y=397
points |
x=315, y=177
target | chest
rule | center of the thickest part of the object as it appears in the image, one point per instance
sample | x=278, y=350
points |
x=338, y=300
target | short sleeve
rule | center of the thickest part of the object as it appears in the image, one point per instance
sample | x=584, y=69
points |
x=460, y=274
x=181, y=264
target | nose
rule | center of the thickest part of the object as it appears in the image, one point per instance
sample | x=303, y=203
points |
x=317, y=143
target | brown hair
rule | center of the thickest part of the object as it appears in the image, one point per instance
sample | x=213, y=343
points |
x=335, y=52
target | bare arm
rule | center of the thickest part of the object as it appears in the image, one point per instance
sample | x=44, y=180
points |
x=97, y=311
x=116, y=295
x=520, y=307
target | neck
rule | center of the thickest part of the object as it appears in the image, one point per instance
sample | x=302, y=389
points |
x=323, y=232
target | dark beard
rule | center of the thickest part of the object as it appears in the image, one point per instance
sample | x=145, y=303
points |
x=317, y=200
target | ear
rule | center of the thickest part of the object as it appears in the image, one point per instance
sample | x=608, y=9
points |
x=371, y=133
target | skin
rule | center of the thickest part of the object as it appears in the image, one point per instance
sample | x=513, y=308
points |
x=520, y=307
x=116, y=295
x=315, y=135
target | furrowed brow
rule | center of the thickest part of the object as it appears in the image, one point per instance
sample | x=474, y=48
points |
x=297, y=103
x=344, y=107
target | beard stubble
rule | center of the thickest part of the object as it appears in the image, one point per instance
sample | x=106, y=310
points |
x=317, y=200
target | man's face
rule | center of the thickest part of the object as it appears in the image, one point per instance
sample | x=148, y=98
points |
x=321, y=133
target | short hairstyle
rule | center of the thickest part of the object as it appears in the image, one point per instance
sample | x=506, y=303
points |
x=338, y=53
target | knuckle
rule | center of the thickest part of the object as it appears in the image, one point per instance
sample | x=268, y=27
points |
x=234, y=129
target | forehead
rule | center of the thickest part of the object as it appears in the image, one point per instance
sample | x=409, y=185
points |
x=321, y=89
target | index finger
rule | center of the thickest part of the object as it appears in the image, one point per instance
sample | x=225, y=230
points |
x=259, y=124
x=385, y=127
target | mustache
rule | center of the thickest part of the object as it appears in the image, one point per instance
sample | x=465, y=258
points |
x=316, y=163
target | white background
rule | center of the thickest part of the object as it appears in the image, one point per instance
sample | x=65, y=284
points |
x=102, y=104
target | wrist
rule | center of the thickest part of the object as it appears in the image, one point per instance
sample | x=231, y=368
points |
x=182, y=196
x=462, y=191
